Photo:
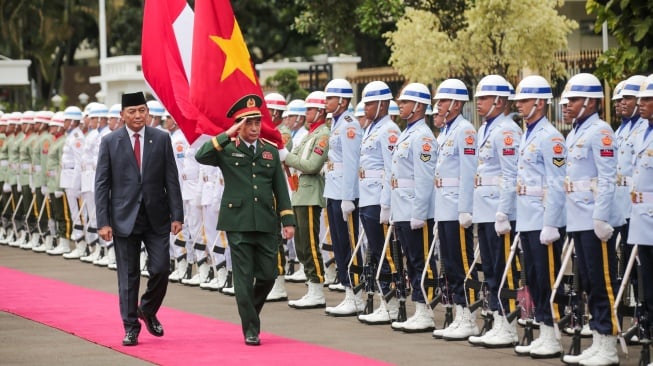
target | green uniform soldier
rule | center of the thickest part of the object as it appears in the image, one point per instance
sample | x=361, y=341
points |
x=255, y=195
x=308, y=158
x=25, y=177
x=39, y=170
x=4, y=122
x=13, y=178
x=7, y=177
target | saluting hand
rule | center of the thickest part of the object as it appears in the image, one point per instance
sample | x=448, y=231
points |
x=233, y=130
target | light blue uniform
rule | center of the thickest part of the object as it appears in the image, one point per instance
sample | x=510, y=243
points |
x=591, y=176
x=540, y=177
x=496, y=173
x=378, y=143
x=413, y=166
x=641, y=216
x=455, y=170
x=626, y=136
x=344, y=158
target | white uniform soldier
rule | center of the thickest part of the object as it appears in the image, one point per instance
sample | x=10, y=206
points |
x=454, y=194
x=494, y=202
x=157, y=114
x=217, y=240
x=178, y=243
x=411, y=199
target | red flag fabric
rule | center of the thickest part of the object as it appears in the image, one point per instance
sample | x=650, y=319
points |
x=222, y=69
x=163, y=67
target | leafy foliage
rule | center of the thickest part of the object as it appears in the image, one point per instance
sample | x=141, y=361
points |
x=285, y=82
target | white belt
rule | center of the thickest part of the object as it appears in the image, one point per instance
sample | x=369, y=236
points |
x=370, y=173
x=4, y=163
x=333, y=166
x=480, y=180
x=37, y=168
x=51, y=173
x=535, y=191
x=624, y=180
x=446, y=182
x=641, y=197
x=402, y=183
x=189, y=176
x=14, y=166
x=579, y=185
x=26, y=166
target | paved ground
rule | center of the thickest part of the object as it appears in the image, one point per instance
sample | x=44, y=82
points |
x=23, y=342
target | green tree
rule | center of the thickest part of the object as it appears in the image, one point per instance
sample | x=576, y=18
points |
x=285, y=81
x=630, y=22
x=493, y=37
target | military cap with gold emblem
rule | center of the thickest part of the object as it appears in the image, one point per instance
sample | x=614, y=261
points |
x=246, y=107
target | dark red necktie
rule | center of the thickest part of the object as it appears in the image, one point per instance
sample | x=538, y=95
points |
x=137, y=150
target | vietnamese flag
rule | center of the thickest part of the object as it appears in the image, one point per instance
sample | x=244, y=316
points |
x=222, y=70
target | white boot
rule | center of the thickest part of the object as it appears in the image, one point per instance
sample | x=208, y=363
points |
x=33, y=242
x=505, y=335
x=466, y=328
x=180, y=271
x=330, y=275
x=458, y=318
x=384, y=314
x=313, y=299
x=421, y=321
x=587, y=353
x=606, y=354
x=78, y=252
x=298, y=276
x=497, y=324
x=218, y=281
x=62, y=248
x=9, y=237
x=143, y=264
x=350, y=306
x=201, y=276
x=278, y=292
x=20, y=239
x=95, y=254
x=337, y=286
x=48, y=243
x=109, y=258
x=548, y=346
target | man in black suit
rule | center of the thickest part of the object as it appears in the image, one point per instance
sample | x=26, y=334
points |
x=138, y=200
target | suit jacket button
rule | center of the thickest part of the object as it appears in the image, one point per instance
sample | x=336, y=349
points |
x=255, y=199
x=255, y=187
x=253, y=175
x=253, y=164
x=236, y=163
x=230, y=205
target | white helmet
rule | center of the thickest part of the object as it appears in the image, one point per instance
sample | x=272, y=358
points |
x=316, y=99
x=452, y=89
x=360, y=110
x=416, y=92
x=114, y=111
x=493, y=85
x=156, y=108
x=563, y=101
x=296, y=107
x=338, y=88
x=57, y=119
x=429, y=110
x=28, y=117
x=99, y=110
x=631, y=85
x=616, y=94
x=646, y=89
x=14, y=118
x=533, y=87
x=4, y=119
x=584, y=85
x=393, y=109
x=73, y=113
x=43, y=116
x=376, y=90
x=275, y=101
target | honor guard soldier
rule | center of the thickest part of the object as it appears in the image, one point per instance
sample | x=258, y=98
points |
x=379, y=139
x=4, y=165
x=13, y=148
x=255, y=196
x=616, y=101
x=641, y=217
x=359, y=113
x=540, y=207
x=156, y=115
x=341, y=191
x=308, y=158
x=25, y=176
x=494, y=203
x=592, y=214
x=411, y=198
x=454, y=193
x=57, y=202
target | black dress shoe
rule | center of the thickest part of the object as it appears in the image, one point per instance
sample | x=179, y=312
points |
x=131, y=338
x=252, y=341
x=152, y=323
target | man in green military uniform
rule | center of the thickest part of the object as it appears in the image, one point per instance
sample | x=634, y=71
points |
x=7, y=177
x=255, y=193
x=4, y=164
x=13, y=178
x=25, y=166
x=39, y=176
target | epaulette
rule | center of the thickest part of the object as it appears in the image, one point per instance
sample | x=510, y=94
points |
x=268, y=141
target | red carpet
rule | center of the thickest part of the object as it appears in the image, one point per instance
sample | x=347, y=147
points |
x=83, y=312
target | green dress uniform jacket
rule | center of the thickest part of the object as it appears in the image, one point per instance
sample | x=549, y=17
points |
x=4, y=155
x=25, y=158
x=308, y=158
x=52, y=166
x=14, y=152
x=255, y=190
x=39, y=158
x=286, y=136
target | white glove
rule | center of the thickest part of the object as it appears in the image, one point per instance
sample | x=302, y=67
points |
x=549, y=234
x=44, y=190
x=347, y=207
x=465, y=219
x=19, y=188
x=6, y=188
x=384, y=218
x=417, y=224
x=58, y=194
x=282, y=154
x=501, y=225
x=603, y=230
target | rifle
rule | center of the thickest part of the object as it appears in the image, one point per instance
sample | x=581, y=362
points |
x=441, y=286
x=13, y=216
x=622, y=288
x=5, y=208
x=365, y=274
x=398, y=276
x=480, y=287
x=38, y=219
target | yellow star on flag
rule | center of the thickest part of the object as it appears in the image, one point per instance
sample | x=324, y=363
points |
x=236, y=54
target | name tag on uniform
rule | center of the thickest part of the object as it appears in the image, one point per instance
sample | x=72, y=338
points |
x=238, y=155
